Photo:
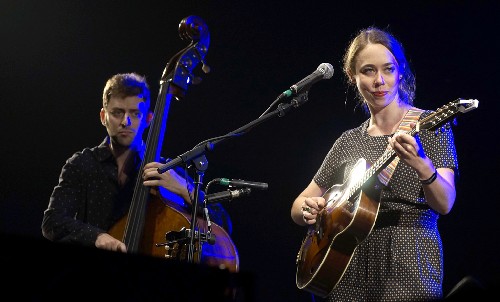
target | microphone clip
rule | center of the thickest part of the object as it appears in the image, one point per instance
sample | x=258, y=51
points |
x=295, y=103
x=300, y=99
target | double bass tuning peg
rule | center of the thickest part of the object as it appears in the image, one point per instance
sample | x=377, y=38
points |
x=205, y=67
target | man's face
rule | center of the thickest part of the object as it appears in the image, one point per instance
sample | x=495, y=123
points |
x=125, y=119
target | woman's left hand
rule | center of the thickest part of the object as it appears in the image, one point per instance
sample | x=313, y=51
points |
x=409, y=149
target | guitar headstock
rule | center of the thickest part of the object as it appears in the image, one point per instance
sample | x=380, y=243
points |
x=446, y=113
x=179, y=70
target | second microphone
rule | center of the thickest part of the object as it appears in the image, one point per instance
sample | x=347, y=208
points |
x=238, y=183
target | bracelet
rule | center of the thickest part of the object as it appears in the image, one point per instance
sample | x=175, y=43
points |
x=429, y=180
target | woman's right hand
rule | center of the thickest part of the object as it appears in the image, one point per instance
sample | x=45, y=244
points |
x=310, y=209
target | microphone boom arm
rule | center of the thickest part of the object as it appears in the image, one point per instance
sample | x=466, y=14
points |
x=208, y=145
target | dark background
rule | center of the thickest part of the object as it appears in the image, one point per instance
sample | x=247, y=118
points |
x=56, y=56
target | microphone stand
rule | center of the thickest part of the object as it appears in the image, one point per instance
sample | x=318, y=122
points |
x=197, y=158
x=201, y=165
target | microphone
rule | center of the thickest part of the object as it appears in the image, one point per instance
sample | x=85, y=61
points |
x=323, y=72
x=238, y=183
x=226, y=195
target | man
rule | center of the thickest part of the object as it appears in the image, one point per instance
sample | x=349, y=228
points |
x=96, y=184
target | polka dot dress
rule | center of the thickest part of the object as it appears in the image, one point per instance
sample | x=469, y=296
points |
x=401, y=259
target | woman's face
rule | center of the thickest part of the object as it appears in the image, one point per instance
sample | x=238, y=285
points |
x=377, y=75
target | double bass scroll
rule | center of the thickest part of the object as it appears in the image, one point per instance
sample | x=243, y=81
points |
x=179, y=70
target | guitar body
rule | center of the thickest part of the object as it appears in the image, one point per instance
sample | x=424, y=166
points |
x=330, y=243
x=164, y=216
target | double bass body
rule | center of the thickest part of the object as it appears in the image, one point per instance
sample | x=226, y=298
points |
x=164, y=216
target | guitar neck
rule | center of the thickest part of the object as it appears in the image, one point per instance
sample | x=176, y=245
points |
x=377, y=166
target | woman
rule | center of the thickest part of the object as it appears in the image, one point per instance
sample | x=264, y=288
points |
x=401, y=257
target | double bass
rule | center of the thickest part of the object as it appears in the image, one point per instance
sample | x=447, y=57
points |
x=151, y=216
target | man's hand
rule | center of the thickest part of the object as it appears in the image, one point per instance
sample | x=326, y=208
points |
x=107, y=242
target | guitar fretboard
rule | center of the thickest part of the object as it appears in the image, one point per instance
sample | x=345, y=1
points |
x=380, y=164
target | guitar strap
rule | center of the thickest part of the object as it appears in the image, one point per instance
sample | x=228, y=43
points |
x=411, y=116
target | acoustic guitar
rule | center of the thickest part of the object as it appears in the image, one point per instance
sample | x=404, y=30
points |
x=350, y=213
